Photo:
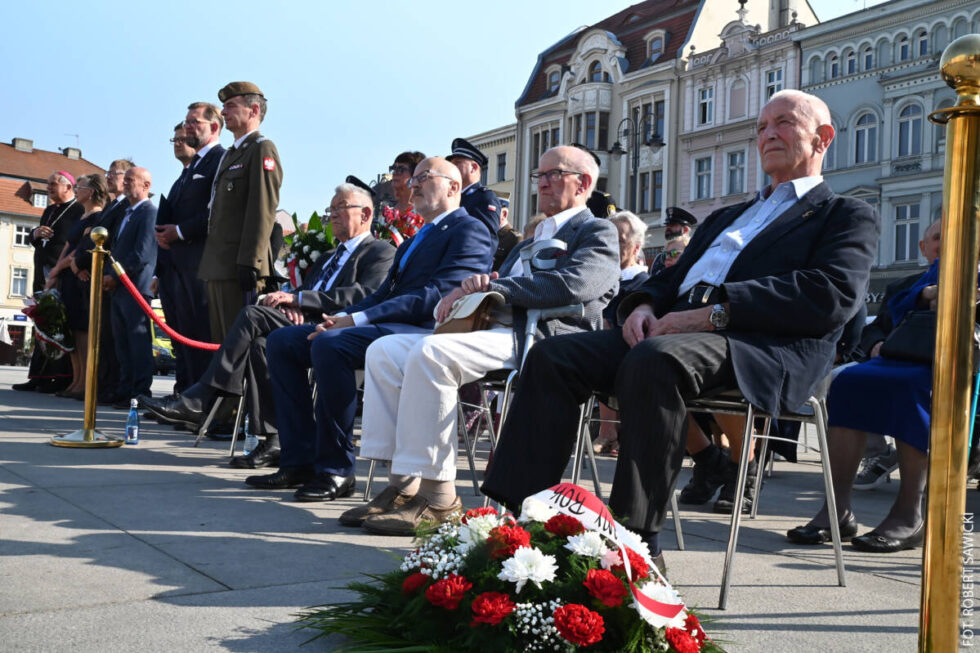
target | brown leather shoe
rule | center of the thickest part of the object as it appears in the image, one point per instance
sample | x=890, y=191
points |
x=408, y=519
x=390, y=499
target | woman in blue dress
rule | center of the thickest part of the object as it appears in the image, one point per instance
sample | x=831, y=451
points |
x=888, y=397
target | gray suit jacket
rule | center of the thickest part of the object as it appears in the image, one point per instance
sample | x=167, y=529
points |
x=362, y=274
x=587, y=273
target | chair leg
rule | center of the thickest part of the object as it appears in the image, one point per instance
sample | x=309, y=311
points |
x=239, y=413
x=763, y=448
x=207, y=421
x=367, y=486
x=678, y=532
x=461, y=429
x=743, y=467
x=821, y=424
x=585, y=413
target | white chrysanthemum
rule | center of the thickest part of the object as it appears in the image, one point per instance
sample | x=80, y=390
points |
x=663, y=594
x=322, y=237
x=315, y=255
x=536, y=510
x=475, y=531
x=303, y=264
x=306, y=249
x=528, y=564
x=635, y=542
x=589, y=544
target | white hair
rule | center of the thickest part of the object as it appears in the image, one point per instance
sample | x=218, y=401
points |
x=637, y=227
x=356, y=190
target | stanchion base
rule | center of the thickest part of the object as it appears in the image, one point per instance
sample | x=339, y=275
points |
x=90, y=438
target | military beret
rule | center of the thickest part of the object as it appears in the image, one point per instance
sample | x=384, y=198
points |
x=235, y=89
x=595, y=157
x=677, y=215
x=351, y=179
x=465, y=149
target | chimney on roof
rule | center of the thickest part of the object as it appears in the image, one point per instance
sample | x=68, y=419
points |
x=73, y=153
x=23, y=145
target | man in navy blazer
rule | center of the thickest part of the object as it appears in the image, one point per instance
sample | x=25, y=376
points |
x=181, y=231
x=135, y=248
x=757, y=301
x=319, y=454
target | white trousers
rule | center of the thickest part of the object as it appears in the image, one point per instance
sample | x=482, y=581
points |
x=411, y=385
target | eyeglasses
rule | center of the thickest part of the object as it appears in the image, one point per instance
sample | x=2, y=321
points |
x=177, y=141
x=335, y=210
x=674, y=253
x=552, y=175
x=399, y=170
x=196, y=121
x=116, y=173
x=423, y=177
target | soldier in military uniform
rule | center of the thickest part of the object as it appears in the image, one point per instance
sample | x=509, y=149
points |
x=478, y=200
x=238, y=256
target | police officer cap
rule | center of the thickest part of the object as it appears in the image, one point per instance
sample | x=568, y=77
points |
x=504, y=202
x=463, y=148
x=235, y=89
x=677, y=215
x=595, y=157
x=351, y=179
x=602, y=205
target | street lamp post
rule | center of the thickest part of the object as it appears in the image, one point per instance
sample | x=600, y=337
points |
x=629, y=132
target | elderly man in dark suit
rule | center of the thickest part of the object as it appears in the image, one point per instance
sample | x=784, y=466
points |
x=412, y=380
x=135, y=248
x=319, y=454
x=181, y=232
x=757, y=301
x=343, y=277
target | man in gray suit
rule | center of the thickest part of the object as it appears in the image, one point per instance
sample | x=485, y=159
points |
x=344, y=277
x=412, y=380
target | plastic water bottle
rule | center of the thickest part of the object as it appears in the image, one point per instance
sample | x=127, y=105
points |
x=251, y=440
x=133, y=423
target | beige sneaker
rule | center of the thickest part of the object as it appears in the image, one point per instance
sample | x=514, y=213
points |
x=408, y=518
x=389, y=499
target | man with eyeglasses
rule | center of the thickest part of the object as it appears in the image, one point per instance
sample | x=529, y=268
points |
x=345, y=276
x=238, y=255
x=181, y=234
x=411, y=381
x=318, y=452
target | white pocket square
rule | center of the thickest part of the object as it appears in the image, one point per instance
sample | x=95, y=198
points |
x=197, y=176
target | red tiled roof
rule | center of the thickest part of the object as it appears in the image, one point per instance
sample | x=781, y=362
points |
x=39, y=164
x=15, y=198
x=630, y=26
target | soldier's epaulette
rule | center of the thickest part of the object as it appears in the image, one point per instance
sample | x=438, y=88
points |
x=260, y=139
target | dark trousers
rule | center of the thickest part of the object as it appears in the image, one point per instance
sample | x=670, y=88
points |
x=108, y=362
x=651, y=382
x=185, y=303
x=320, y=436
x=131, y=332
x=243, y=357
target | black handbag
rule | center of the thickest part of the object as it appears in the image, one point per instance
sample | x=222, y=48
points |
x=914, y=338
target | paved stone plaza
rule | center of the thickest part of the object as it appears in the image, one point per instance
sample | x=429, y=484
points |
x=161, y=547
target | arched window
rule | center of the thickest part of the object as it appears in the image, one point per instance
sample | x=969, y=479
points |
x=816, y=71
x=904, y=48
x=868, y=58
x=596, y=74
x=656, y=46
x=960, y=28
x=737, y=96
x=866, y=139
x=910, y=130
x=941, y=129
x=921, y=43
x=554, y=78
x=834, y=66
x=850, y=62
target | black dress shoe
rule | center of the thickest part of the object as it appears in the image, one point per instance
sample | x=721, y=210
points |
x=52, y=386
x=873, y=543
x=174, y=410
x=726, y=498
x=820, y=535
x=286, y=477
x=27, y=386
x=264, y=455
x=706, y=478
x=326, y=487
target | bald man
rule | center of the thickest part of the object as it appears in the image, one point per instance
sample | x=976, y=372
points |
x=757, y=302
x=134, y=245
x=319, y=453
x=411, y=380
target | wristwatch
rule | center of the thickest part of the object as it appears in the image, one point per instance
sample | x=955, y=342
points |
x=718, y=317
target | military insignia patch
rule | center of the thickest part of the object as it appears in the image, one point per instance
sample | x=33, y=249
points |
x=269, y=163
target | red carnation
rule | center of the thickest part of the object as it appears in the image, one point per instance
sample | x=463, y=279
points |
x=448, y=592
x=681, y=641
x=491, y=608
x=605, y=586
x=504, y=540
x=413, y=583
x=479, y=512
x=694, y=628
x=564, y=526
x=638, y=565
x=579, y=625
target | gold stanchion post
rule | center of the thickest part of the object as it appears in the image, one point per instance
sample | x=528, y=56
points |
x=88, y=436
x=952, y=376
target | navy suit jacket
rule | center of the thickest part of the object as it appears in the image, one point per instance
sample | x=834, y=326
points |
x=187, y=207
x=136, y=246
x=457, y=247
x=790, y=291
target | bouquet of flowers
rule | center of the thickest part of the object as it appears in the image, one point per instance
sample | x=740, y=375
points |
x=307, y=244
x=47, y=311
x=563, y=577
x=394, y=226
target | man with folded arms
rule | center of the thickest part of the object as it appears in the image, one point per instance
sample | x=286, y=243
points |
x=412, y=380
x=318, y=453
x=345, y=276
x=757, y=302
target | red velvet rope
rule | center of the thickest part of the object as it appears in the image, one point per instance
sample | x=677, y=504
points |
x=196, y=344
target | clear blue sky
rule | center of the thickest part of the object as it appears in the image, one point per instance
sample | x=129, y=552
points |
x=349, y=84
